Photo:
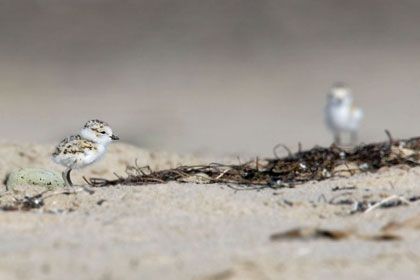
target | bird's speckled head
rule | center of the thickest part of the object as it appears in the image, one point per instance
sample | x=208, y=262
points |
x=98, y=132
x=340, y=94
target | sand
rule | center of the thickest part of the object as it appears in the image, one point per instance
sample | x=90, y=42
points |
x=195, y=231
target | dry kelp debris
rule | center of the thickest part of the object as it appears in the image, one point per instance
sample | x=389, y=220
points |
x=315, y=164
x=310, y=233
x=37, y=201
x=386, y=233
x=26, y=203
x=368, y=203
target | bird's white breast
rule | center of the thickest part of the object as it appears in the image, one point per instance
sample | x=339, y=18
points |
x=343, y=118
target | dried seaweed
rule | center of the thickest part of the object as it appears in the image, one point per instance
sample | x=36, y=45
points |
x=315, y=164
x=311, y=233
x=37, y=201
x=386, y=233
x=26, y=203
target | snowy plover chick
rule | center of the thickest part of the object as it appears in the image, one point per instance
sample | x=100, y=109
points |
x=341, y=116
x=78, y=151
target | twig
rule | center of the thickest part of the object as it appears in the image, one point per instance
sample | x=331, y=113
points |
x=221, y=174
x=289, y=152
x=391, y=140
x=382, y=202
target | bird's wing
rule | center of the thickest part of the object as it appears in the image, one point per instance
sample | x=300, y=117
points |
x=356, y=112
x=74, y=145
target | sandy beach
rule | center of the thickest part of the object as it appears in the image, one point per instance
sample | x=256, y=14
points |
x=198, y=231
x=192, y=82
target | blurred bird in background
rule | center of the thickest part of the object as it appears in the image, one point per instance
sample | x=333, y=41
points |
x=341, y=116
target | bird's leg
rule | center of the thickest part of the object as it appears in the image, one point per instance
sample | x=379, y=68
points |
x=353, y=138
x=66, y=177
x=69, y=184
x=337, y=139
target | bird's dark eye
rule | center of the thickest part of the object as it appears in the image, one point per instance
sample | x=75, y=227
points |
x=103, y=132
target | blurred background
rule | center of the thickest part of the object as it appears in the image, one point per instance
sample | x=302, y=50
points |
x=225, y=77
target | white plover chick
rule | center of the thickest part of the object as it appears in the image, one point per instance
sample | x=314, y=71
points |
x=79, y=151
x=341, y=116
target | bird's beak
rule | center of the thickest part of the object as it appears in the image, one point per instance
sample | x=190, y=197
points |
x=115, y=137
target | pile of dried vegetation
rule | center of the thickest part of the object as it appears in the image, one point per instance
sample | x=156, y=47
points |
x=315, y=164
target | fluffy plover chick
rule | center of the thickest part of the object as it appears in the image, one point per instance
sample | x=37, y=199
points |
x=78, y=151
x=341, y=116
